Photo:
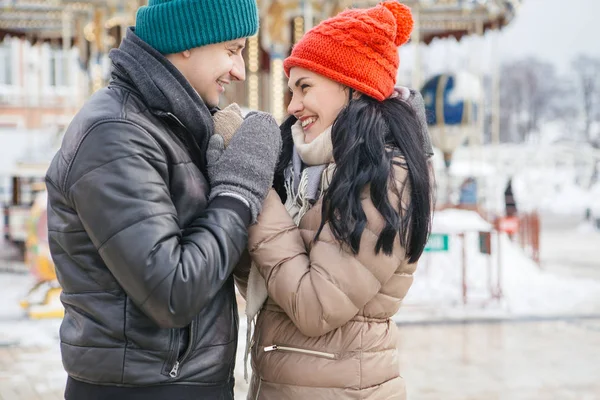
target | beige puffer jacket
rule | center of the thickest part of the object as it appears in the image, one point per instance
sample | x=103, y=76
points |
x=325, y=331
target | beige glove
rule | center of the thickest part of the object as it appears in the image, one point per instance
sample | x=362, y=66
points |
x=227, y=121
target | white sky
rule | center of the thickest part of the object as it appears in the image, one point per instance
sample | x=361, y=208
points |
x=552, y=30
x=555, y=30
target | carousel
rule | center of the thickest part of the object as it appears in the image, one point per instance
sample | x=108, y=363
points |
x=96, y=26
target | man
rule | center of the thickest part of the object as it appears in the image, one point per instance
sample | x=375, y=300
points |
x=143, y=230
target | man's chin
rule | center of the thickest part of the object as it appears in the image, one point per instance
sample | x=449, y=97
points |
x=211, y=103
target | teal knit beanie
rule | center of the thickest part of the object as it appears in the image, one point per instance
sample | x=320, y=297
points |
x=172, y=26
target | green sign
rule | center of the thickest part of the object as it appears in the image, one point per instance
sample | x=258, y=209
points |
x=485, y=243
x=437, y=242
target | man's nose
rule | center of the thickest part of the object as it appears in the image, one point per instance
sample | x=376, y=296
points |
x=238, y=72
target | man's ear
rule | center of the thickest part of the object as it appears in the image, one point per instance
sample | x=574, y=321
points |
x=178, y=58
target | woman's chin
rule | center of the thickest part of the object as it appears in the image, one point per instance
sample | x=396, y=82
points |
x=310, y=136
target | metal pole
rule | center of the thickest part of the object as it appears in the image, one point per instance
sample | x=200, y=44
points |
x=495, y=90
x=464, y=267
x=416, y=38
x=307, y=12
x=481, y=113
x=495, y=128
x=499, y=282
x=67, y=33
x=253, y=68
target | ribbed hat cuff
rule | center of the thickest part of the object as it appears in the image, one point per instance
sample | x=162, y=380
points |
x=179, y=25
x=337, y=76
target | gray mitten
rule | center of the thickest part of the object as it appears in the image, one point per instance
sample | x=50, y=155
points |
x=246, y=167
x=216, y=147
x=416, y=101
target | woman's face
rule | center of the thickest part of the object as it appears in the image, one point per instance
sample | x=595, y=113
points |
x=316, y=101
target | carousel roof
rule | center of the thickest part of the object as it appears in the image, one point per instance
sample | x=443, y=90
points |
x=44, y=19
x=453, y=18
x=436, y=18
x=456, y=18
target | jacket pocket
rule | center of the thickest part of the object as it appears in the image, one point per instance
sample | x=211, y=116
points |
x=174, y=372
x=288, y=349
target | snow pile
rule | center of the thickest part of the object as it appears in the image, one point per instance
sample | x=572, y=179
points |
x=458, y=221
x=527, y=290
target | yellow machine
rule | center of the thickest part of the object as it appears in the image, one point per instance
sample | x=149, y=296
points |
x=43, y=299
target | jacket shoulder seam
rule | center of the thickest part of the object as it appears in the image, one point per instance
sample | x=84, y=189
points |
x=90, y=129
x=144, y=218
x=51, y=182
x=114, y=160
x=73, y=231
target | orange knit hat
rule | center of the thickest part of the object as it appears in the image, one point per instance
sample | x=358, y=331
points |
x=357, y=48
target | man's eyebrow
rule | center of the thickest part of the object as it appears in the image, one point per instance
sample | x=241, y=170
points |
x=237, y=46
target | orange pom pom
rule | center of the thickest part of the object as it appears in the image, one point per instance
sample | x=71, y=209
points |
x=404, y=20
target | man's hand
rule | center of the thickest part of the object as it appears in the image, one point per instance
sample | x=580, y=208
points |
x=245, y=167
x=227, y=122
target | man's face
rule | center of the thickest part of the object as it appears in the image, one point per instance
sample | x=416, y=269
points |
x=210, y=68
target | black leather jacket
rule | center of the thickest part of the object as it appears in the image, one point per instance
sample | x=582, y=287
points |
x=143, y=260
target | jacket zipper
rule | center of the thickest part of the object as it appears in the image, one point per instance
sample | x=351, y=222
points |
x=175, y=370
x=175, y=338
x=275, y=347
x=191, y=145
x=174, y=117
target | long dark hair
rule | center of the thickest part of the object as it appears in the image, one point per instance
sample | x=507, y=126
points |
x=367, y=135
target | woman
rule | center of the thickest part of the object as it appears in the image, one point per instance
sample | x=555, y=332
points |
x=339, y=255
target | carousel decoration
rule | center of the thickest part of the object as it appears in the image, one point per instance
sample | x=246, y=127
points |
x=451, y=105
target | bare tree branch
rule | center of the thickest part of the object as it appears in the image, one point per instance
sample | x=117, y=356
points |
x=530, y=91
x=587, y=70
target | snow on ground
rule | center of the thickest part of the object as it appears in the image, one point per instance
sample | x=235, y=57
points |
x=527, y=289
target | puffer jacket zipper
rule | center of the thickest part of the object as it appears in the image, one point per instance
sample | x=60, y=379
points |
x=175, y=338
x=276, y=347
x=178, y=364
x=189, y=142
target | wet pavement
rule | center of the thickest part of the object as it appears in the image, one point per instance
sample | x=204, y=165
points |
x=570, y=246
x=512, y=361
